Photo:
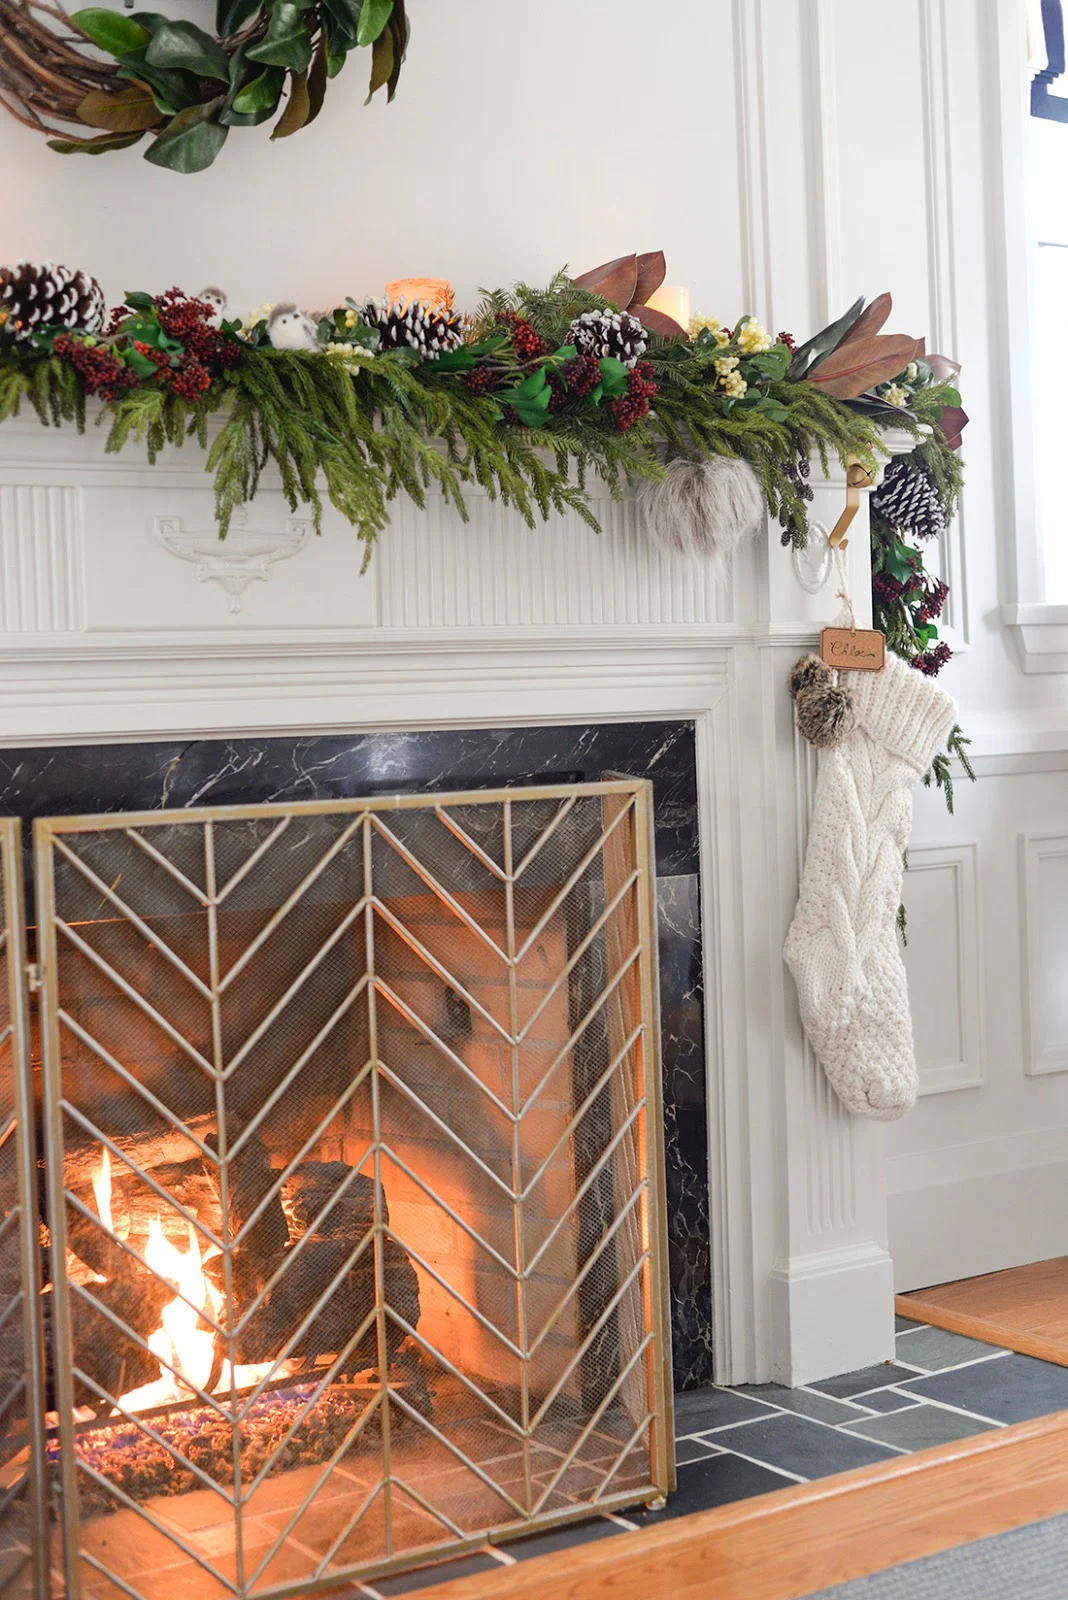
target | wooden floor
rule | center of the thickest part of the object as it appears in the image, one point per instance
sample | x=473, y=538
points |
x=1024, y=1308
x=793, y=1542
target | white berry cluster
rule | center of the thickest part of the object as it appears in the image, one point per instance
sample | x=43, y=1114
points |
x=608, y=333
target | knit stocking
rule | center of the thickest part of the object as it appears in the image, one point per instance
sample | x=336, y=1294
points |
x=842, y=945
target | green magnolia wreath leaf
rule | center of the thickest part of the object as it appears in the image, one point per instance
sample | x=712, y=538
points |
x=111, y=30
x=191, y=140
x=287, y=42
x=258, y=99
x=97, y=146
x=232, y=15
x=297, y=109
x=128, y=110
x=181, y=46
x=374, y=15
x=172, y=91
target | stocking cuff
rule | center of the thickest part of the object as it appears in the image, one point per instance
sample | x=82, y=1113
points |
x=902, y=710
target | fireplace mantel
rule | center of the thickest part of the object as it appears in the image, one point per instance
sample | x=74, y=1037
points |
x=120, y=618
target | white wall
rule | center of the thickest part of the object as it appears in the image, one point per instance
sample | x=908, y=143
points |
x=788, y=155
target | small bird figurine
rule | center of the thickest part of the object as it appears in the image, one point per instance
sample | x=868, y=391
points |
x=216, y=299
x=289, y=329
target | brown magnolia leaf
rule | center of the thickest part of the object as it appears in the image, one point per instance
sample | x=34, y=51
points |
x=381, y=61
x=942, y=367
x=658, y=322
x=317, y=80
x=870, y=321
x=123, y=111
x=298, y=107
x=864, y=364
x=614, y=280
x=953, y=421
x=652, y=270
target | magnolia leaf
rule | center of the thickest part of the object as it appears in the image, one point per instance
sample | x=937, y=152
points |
x=231, y=15
x=191, y=140
x=298, y=107
x=111, y=30
x=614, y=281
x=317, y=80
x=180, y=46
x=97, y=145
x=825, y=340
x=172, y=91
x=942, y=368
x=455, y=361
x=287, y=42
x=122, y=111
x=652, y=270
x=138, y=300
x=374, y=14
x=381, y=63
x=657, y=322
x=953, y=422
x=259, y=98
x=615, y=377
x=862, y=364
x=871, y=319
x=398, y=27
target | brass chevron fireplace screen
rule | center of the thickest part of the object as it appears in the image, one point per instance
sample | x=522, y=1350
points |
x=352, y=1137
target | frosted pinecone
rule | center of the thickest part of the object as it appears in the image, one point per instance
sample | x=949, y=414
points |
x=908, y=500
x=43, y=295
x=609, y=333
x=431, y=330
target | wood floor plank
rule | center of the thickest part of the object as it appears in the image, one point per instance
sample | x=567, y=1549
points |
x=795, y=1541
x=1022, y=1308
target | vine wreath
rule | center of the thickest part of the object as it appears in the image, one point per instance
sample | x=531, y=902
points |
x=185, y=87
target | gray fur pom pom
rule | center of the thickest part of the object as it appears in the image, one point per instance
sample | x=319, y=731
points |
x=703, y=508
x=809, y=672
x=825, y=716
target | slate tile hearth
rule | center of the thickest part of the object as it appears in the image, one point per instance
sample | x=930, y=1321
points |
x=736, y=1443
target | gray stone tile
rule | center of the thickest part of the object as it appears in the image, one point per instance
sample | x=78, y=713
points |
x=423, y=1577
x=851, y=1384
x=807, y=1449
x=902, y=1324
x=715, y=1482
x=934, y=1349
x=689, y=1450
x=545, y=1544
x=919, y=1427
x=802, y=1401
x=886, y=1400
x=700, y=1409
x=1014, y=1389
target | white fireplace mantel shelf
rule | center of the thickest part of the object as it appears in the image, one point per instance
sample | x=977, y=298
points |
x=120, y=618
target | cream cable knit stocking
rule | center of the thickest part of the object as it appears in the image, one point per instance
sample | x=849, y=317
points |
x=842, y=945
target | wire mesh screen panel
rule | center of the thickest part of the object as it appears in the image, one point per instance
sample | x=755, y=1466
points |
x=23, y=1529
x=353, y=1130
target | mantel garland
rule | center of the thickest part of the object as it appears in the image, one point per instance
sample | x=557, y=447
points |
x=527, y=399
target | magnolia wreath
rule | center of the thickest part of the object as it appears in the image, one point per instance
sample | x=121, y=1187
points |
x=132, y=74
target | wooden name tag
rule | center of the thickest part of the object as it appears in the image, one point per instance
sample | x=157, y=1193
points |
x=853, y=649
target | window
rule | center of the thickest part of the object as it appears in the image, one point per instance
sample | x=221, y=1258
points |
x=1049, y=211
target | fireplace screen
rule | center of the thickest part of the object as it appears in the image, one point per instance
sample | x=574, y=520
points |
x=352, y=1136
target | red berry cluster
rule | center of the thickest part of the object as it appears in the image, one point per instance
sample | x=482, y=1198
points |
x=190, y=380
x=632, y=406
x=934, y=598
x=788, y=340
x=481, y=380
x=526, y=340
x=581, y=374
x=189, y=321
x=886, y=588
x=102, y=372
x=160, y=359
x=932, y=661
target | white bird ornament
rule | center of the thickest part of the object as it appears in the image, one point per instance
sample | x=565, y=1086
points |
x=216, y=299
x=290, y=329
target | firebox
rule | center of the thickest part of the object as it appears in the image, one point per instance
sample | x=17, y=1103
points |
x=333, y=1241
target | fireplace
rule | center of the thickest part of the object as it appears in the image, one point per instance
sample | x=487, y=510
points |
x=352, y=1244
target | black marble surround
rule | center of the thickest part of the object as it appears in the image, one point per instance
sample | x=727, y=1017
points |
x=56, y=781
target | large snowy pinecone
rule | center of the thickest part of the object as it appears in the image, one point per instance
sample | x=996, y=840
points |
x=41, y=295
x=432, y=330
x=907, y=499
x=609, y=333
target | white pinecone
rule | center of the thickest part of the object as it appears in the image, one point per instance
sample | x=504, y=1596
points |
x=43, y=295
x=907, y=499
x=430, y=330
x=609, y=333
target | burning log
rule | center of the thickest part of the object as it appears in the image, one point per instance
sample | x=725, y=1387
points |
x=250, y=1179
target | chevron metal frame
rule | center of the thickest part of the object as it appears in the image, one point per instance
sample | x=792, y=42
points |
x=417, y=1038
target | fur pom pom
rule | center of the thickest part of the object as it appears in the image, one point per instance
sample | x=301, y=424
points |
x=810, y=673
x=825, y=716
x=703, y=508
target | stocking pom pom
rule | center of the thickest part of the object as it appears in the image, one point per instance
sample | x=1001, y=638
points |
x=703, y=508
x=810, y=673
x=825, y=716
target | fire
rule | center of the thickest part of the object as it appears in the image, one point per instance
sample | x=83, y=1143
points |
x=183, y=1344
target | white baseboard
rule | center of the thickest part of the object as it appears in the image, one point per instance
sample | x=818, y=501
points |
x=832, y=1312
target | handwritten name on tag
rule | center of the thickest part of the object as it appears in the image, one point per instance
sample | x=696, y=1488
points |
x=853, y=649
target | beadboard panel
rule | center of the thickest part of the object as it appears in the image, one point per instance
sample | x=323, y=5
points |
x=942, y=959
x=42, y=559
x=1044, y=941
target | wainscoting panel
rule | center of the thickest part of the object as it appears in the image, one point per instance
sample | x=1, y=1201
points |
x=1044, y=941
x=943, y=964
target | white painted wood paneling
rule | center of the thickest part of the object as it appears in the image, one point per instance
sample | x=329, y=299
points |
x=1044, y=947
x=943, y=963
